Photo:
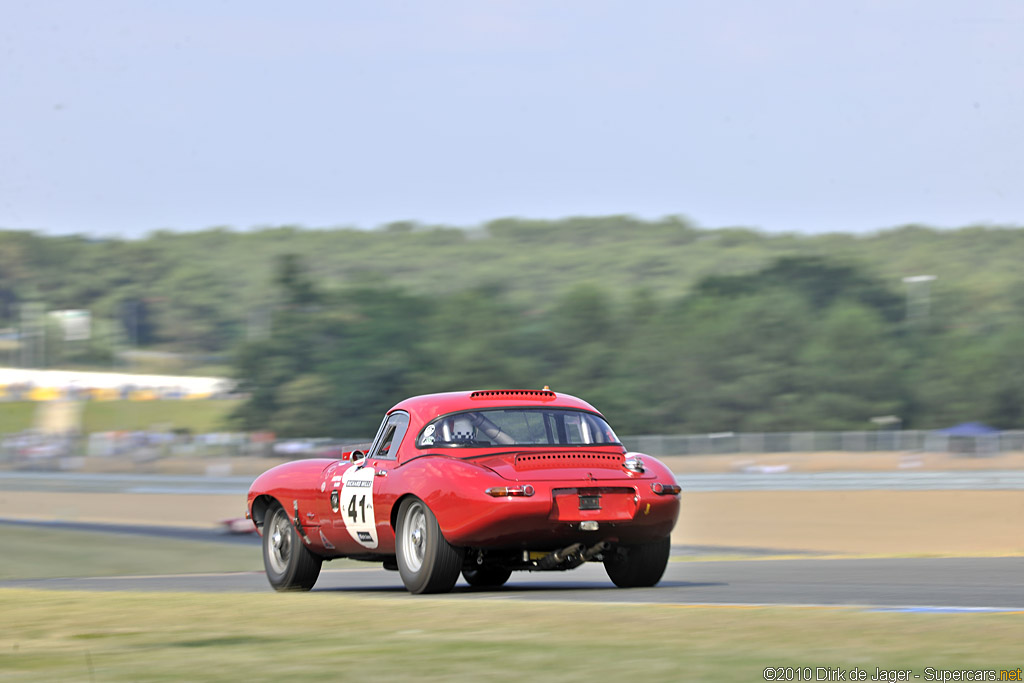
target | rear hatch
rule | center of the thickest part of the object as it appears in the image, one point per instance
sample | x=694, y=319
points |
x=560, y=465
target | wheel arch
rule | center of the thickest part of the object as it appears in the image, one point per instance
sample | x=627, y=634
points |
x=260, y=505
x=426, y=500
x=398, y=505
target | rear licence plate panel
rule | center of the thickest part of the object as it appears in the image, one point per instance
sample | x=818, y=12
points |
x=601, y=503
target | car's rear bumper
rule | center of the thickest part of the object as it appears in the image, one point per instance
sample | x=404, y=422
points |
x=559, y=513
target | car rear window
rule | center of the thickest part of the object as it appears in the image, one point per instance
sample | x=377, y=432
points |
x=517, y=427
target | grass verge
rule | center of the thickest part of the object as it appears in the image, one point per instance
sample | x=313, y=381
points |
x=154, y=637
x=33, y=552
x=16, y=416
x=198, y=416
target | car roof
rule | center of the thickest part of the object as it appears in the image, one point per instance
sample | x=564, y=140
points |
x=424, y=408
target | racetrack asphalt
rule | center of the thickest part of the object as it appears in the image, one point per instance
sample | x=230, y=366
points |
x=883, y=583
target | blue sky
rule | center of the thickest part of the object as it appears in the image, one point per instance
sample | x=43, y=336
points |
x=122, y=117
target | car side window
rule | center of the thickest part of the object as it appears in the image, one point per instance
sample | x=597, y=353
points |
x=390, y=437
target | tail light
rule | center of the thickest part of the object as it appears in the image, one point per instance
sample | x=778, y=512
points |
x=666, y=489
x=505, y=491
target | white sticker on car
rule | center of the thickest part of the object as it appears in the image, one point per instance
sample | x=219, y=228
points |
x=357, y=505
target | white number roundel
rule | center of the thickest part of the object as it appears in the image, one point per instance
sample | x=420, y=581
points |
x=357, y=505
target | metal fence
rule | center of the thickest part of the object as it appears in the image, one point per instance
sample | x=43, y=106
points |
x=816, y=442
x=39, y=449
x=31, y=446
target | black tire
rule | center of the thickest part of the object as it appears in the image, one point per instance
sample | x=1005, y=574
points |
x=427, y=563
x=288, y=563
x=485, y=576
x=637, y=566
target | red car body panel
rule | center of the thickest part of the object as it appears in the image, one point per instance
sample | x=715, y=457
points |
x=349, y=509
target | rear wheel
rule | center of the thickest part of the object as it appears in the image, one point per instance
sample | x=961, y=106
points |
x=289, y=564
x=636, y=566
x=486, y=577
x=427, y=563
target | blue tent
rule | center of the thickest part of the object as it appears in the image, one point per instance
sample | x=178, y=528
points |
x=968, y=429
x=971, y=438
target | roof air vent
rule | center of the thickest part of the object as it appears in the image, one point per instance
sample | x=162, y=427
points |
x=515, y=394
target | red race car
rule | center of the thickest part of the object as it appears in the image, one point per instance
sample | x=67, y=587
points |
x=480, y=483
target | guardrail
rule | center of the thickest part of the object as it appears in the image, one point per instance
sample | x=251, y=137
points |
x=816, y=442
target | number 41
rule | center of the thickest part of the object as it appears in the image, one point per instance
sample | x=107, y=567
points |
x=352, y=508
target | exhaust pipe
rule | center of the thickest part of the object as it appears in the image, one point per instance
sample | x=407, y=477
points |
x=595, y=550
x=569, y=556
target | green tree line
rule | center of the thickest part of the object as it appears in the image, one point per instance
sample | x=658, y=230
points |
x=204, y=292
x=806, y=343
